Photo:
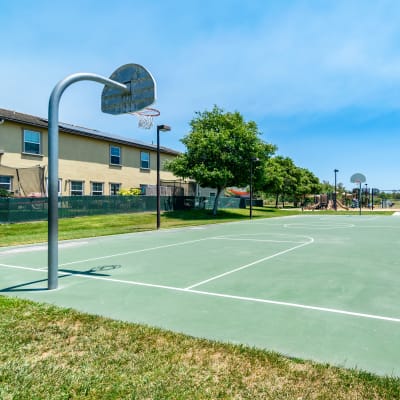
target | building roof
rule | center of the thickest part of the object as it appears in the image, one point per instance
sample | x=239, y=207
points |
x=38, y=122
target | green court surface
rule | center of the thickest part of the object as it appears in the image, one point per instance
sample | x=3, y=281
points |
x=324, y=288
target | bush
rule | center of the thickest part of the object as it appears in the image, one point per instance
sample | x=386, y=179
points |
x=4, y=193
x=130, y=192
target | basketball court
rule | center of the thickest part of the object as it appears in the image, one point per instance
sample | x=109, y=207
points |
x=323, y=288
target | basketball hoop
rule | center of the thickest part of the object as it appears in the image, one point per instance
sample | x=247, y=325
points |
x=145, y=117
x=358, y=178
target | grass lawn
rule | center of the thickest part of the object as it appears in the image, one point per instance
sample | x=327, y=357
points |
x=52, y=353
x=99, y=225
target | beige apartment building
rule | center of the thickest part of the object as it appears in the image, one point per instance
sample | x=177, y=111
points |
x=90, y=162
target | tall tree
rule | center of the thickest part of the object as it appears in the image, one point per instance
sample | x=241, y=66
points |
x=283, y=178
x=279, y=177
x=220, y=148
x=307, y=183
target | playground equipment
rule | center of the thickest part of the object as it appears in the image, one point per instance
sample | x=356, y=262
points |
x=341, y=205
x=325, y=202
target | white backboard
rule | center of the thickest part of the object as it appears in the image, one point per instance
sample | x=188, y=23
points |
x=358, y=178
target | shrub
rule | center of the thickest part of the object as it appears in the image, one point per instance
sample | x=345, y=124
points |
x=130, y=192
x=4, y=193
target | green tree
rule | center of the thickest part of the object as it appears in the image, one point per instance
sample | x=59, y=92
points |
x=219, y=150
x=279, y=179
x=307, y=183
x=327, y=187
x=283, y=178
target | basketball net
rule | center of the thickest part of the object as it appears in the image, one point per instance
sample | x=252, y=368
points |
x=145, y=117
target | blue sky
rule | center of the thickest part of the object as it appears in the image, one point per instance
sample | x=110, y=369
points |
x=320, y=78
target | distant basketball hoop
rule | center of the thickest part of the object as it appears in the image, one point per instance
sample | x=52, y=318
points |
x=358, y=178
x=145, y=117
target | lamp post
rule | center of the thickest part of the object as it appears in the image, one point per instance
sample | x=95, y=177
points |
x=334, y=199
x=372, y=198
x=252, y=161
x=160, y=128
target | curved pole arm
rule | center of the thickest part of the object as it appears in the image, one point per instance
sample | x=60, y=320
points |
x=54, y=103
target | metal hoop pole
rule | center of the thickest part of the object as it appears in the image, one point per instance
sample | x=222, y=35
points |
x=54, y=102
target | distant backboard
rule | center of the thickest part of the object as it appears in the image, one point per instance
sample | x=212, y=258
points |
x=142, y=90
x=358, y=178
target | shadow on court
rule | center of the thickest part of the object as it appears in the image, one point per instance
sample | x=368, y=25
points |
x=27, y=286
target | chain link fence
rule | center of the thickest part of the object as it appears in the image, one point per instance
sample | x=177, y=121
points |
x=20, y=209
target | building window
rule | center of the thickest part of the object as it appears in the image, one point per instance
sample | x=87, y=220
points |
x=5, y=182
x=76, y=188
x=115, y=155
x=32, y=142
x=97, y=189
x=144, y=160
x=114, y=188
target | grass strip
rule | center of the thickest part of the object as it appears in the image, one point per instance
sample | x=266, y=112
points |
x=101, y=225
x=54, y=353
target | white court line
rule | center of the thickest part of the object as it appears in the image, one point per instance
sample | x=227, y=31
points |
x=296, y=305
x=135, y=251
x=233, y=297
x=40, y=247
x=244, y=298
x=378, y=226
x=318, y=226
x=24, y=249
x=256, y=240
x=251, y=264
x=20, y=267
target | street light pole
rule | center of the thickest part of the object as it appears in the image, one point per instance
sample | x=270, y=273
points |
x=160, y=128
x=372, y=198
x=252, y=160
x=335, y=200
